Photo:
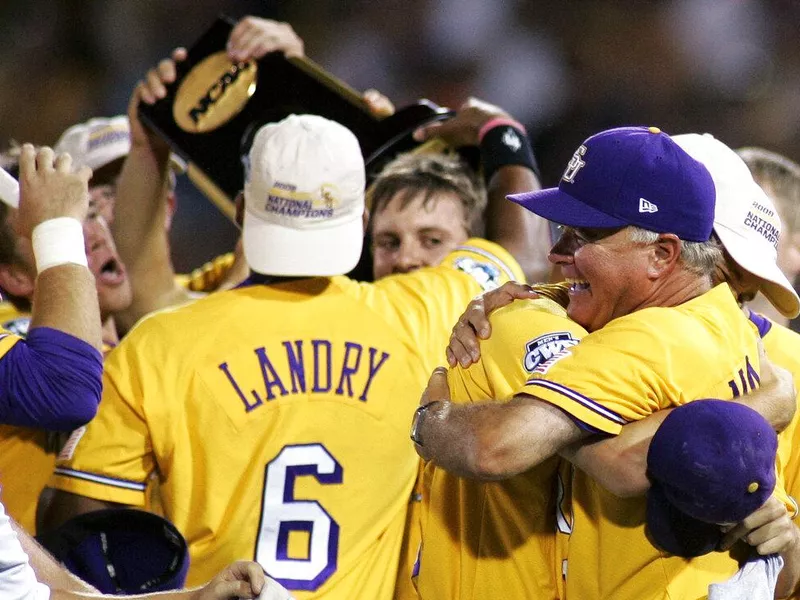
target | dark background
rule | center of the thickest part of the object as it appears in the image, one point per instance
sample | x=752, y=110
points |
x=566, y=69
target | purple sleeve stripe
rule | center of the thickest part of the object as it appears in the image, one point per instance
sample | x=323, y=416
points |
x=762, y=323
x=102, y=479
x=580, y=399
x=51, y=380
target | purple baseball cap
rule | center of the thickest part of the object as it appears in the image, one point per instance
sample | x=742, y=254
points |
x=121, y=551
x=630, y=176
x=710, y=462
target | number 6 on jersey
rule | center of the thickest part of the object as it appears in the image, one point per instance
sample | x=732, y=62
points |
x=281, y=514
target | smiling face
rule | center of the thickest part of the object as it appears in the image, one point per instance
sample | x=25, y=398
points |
x=411, y=233
x=608, y=274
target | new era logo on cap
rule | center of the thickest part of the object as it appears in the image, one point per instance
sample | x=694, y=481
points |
x=630, y=176
x=645, y=206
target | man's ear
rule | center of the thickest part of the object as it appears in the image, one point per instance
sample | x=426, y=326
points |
x=665, y=254
x=16, y=281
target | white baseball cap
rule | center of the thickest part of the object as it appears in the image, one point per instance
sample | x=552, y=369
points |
x=100, y=141
x=304, y=198
x=97, y=142
x=745, y=219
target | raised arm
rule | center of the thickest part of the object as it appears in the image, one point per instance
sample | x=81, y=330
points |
x=143, y=188
x=509, y=168
x=52, y=379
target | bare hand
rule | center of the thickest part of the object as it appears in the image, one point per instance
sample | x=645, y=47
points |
x=242, y=579
x=378, y=104
x=254, y=37
x=769, y=529
x=49, y=188
x=149, y=90
x=464, y=347
x=462, y=129
x=436, y=391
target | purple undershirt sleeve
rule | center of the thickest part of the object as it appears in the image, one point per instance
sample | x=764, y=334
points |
x=51, y=380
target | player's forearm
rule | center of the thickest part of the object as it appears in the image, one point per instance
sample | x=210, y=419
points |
x=619, y=463
x=65, y=298
x=153, y=289
x=776, y=403
x=788, y=584
x=141, y=201
x=75, y=595
x=493, y=441
x=525, y=235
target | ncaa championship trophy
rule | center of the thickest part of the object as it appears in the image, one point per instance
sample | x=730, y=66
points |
x=214, y=108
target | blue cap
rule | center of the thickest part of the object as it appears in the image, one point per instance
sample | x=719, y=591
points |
x=710, y=462
x=630, y=176
x=121, y=551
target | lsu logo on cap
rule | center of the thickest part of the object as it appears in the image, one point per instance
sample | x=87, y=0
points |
x=575, y=164
x=545, y=347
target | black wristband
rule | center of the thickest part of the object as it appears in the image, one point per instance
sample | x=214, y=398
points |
x=506, y=145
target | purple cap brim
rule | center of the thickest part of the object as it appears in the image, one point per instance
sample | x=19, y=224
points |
x=555, y=205
x=676, y=532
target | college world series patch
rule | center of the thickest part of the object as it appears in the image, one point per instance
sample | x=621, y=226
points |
x=545, y=347
x=486, y=274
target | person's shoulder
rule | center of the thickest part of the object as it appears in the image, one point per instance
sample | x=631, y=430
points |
x=530, y=315
x=781, y=343
x=487, y=262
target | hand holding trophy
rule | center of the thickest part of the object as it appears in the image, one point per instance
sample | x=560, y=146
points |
x=215, y=103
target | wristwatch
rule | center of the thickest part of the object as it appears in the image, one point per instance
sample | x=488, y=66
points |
x=416, y=422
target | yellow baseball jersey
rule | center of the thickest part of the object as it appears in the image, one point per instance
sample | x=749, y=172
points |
x=652, y=359
x=277, y=419
x=27, y=456
x=208, y=277
x=8, y=312
x=496, y=540
x=23, y=459
x=783, y=348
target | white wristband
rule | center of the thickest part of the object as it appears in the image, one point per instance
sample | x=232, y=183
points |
x=57, y=242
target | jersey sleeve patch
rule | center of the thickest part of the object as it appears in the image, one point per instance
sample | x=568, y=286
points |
x=545, y=366
x=485, y=273
x=18, y=326
x=544, y=348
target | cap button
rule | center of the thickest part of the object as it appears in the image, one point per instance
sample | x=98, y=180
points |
x=753, y=487
x=653, y=130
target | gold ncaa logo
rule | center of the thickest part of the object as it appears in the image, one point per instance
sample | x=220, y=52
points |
x=214, y=92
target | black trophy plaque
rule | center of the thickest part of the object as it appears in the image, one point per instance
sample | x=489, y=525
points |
x=212, y=111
